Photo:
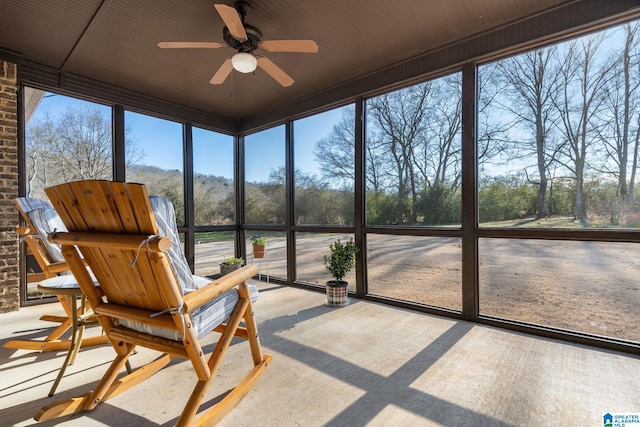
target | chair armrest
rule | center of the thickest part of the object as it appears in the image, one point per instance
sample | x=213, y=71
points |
x=40, y=253
x=213, y=290
x=57, y=267
x=24, y=230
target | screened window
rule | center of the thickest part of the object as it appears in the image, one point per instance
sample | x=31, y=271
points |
x=425, y=270
x=66, y=139
x=310, y=251
x=581, y=286
x=558, y=142
x=324, y=153
x=274, y=261
x=265, y=177
x=558, y=135
x=154, y=151
x=211, y=248
x=213, y=172
x=413, y=154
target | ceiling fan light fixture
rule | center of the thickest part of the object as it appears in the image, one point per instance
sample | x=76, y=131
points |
x=244, y=62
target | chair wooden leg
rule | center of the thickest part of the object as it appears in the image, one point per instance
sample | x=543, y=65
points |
x=76, y=404
x=107, y=388
x=195, y=400
x=57, y=345
x=261, y=363
x=51, y=342
x=53, y=318
x=214, y=414
x=59, y=330
x=65, y=324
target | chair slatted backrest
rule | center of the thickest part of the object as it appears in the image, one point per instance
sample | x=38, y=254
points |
x=128, y=277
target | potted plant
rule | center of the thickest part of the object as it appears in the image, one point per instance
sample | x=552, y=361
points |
x=339, y=263
x=230, y=264
x=259, y=246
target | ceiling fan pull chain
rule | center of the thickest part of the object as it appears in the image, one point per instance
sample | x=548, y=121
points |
x=232, y=86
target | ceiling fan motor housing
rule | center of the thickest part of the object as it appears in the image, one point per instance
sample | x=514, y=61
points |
x=254, y=37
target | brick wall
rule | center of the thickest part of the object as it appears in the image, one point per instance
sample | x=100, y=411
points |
x=9, y=251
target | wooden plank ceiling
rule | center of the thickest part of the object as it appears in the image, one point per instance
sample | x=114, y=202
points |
x=115, y=41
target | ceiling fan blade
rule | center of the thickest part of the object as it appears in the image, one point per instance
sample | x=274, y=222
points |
x=221, y=75
x=274, y=71
x=232, y=20
x=303, y=46
x=191, y=45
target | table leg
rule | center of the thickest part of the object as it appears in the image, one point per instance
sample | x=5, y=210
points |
x=73, y=347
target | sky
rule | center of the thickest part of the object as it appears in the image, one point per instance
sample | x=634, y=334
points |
x=161, y=141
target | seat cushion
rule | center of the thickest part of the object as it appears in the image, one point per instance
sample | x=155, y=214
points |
x=204, y=318
x=212, y=314
x=46, y=219
x=165, y=216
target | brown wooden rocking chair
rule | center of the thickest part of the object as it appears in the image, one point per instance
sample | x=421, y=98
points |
x=145, y=301
x=40, y=219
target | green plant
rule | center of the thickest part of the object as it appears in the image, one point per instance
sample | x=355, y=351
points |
x=233, y=261
x=342, y=258
x=257, y=240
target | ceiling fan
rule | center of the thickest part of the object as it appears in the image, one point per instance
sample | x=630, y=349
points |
x=246, y=38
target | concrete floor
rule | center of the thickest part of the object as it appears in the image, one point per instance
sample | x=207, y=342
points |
x=361, y=365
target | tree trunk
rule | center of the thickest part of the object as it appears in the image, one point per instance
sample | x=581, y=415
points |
x=542, y=172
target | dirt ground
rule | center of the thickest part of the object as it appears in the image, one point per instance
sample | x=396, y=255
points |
x=589, y=287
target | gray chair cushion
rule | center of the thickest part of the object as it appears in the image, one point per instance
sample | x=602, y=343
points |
x=46, y=220
x=165, y=215
x=204, y=318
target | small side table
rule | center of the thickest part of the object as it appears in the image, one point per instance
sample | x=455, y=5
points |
x=67, y=286
x=260, y=261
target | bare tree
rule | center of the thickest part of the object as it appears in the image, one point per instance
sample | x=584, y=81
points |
x=493, y=129
x=437, y=157
x=444, y=133
x=532, y=86
x=335, y=155
x=400, y=119
x=621, y=134
x=336, y=152
x=582, y=80
x=75, y=144
x=412, y=148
